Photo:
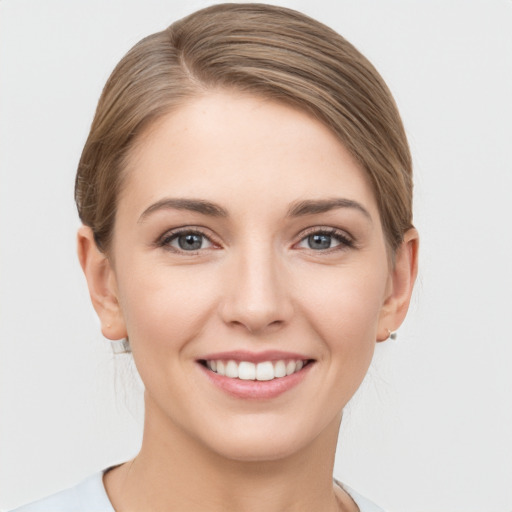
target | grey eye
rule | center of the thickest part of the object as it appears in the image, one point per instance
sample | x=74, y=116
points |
x=186, y=241
x=190, y=241
x=325, y=240
x=319, y=241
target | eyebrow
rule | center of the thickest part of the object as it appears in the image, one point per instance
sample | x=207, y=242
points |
x=193, y=205
x=312, y=207
x=297, y=209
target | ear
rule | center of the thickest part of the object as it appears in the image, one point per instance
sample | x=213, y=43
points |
x=101, y=281
x=401, y=282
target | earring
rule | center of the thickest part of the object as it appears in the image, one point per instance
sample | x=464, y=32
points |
x=121, y=346
x=392, y=335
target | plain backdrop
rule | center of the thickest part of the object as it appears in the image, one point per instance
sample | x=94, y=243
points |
x=431, y=427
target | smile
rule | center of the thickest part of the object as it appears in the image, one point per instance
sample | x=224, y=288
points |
x=262, y=371
x=256, y=375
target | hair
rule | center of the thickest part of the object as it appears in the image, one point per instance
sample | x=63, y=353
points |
x=263, y=50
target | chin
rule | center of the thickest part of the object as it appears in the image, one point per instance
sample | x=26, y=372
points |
x=263, y=443
x=257, y=450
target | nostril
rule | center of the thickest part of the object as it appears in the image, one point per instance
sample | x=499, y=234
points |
x=255, y=326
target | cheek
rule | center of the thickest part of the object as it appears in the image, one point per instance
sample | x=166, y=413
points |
x=344, y=304
x=343, y=311
x=165, y=308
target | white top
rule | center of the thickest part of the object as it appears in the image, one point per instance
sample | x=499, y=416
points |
x=90, y=496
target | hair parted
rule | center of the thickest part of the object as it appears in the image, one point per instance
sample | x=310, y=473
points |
x=264, y=50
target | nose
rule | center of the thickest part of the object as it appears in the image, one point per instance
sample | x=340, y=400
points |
x=256, y=292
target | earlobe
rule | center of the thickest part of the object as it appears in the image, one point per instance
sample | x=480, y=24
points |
x=101, y=282
x=402, y=278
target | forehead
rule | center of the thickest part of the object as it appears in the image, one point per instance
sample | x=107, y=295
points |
x=225, y=145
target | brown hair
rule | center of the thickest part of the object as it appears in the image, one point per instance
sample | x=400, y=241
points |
x=264, y=50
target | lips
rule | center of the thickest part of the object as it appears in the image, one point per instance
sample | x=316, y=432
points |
x=255, y=375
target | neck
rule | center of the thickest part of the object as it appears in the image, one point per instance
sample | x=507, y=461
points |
x=175, y=472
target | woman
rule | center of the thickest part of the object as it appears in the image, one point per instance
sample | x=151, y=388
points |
x=245, y=193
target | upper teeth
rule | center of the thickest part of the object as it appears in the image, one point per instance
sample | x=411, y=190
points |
x=245, y=370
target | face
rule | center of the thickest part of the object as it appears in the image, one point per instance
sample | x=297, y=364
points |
x=248, y=243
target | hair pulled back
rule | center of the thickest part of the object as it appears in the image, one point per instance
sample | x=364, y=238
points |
x=269, y=51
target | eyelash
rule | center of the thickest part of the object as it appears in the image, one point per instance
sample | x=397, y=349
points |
x=345, y=241
x=169, y=236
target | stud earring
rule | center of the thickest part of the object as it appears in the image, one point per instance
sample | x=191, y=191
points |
x=391, y=335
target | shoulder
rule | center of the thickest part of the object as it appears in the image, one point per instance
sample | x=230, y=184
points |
x=364, y=504
x=90, y=496
x=87, y=496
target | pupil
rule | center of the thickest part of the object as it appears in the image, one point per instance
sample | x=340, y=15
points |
x=190, y=242
x=319, y=241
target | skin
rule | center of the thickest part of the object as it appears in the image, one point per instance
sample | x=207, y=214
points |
x=255, y=284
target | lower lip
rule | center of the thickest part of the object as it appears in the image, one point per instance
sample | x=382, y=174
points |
x=256, y=389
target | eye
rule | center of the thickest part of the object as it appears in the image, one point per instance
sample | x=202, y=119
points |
x=186, y=241
x=323, y=240
x=191, y=242
x=320, y=241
